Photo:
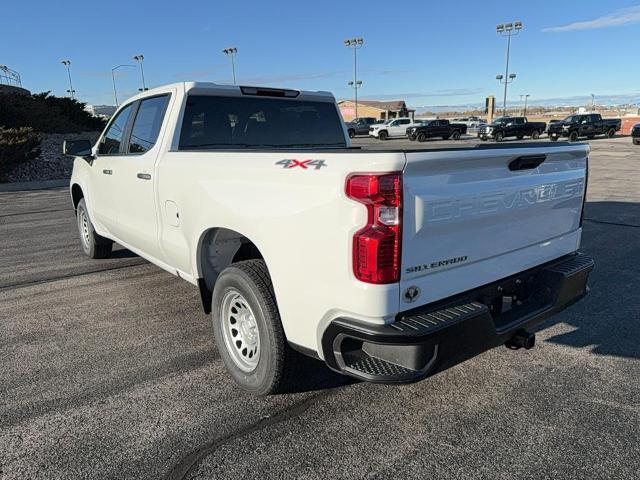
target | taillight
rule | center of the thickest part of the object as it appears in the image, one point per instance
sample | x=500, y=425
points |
x=376, y=247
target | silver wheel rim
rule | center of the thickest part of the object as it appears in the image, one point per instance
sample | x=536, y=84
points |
x=240, y=331
x=85, y=232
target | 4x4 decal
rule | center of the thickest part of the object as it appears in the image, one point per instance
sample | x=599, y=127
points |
x=304, y=164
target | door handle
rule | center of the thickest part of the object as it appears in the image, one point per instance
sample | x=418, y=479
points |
x=527, y=162
x=144, y=176
x=107, y=172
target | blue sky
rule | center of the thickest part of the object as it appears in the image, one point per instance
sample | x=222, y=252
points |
x=429, y=53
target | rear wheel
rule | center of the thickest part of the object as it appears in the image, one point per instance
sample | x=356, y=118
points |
x=611, y=133
x=535, y=134
x=573, y=136
x=93, y=245
x=499, y=137
x=455, y=135
x=248, y=330
x=422, y=137
x=383, y=135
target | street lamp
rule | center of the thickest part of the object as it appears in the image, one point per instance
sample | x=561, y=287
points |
x=231, y=52
x=505, y=81
x=113, y=78
x=139, y=59
x=356, y=44
x=508, y=30
x=593, y=102
x=526, y=97
x=71, y=91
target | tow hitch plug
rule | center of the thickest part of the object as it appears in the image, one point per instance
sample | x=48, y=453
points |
x=521, y=339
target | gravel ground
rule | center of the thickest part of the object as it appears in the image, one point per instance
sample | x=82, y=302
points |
x=51, y=164
x=108, y=371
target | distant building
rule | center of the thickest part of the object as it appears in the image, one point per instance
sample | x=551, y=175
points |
x=376, y=109
x=104, y=111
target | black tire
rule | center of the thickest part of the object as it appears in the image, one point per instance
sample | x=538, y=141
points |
x=636, y=141
x=591, y=137
x=422, y=137
x=275, y=366
x=573, y=136
x=484, y=139
x=611, y=133
x=93, y=245
x=412, y=138
x=446, y=137
x=352, y=133
x=499, y=137
x=455, y=135
x=383, y=135
x=553, y=139
x=520, y=137
x=535, y=135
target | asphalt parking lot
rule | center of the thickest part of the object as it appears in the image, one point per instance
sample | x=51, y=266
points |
x=108, y=370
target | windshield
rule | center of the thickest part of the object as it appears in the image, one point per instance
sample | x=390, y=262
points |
x=258, y=122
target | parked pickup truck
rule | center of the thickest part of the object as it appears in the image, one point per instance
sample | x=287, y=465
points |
x=505, y=127
x=360, y=126
x=388, y=266
x=436, y=128
x=584, y=125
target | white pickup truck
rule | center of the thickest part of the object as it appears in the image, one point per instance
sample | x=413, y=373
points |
x=389, y=266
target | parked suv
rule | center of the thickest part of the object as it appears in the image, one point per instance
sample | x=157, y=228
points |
x=396, y=127
x=505, y=127
x=360, y=126
x=635, y=134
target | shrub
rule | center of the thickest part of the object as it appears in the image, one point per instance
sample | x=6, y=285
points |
x=47, y=114
x=17, y=145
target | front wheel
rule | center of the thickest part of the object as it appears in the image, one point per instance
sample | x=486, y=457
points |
x=499, y=137
x=553, y=138
x=352, y=133
x=422, y=137
x=573, y=136
x=383, y=135
x=93, y=245
x=248, y=330
x=636, y=141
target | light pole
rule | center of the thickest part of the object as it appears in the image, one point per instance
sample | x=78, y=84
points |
x=113, y=78
x=231, y=52
x=505, y=81
x=356, y=44
x=71, y=91
x=526, y=97
x=508, y=30
x=139, y=59
x=593, y=102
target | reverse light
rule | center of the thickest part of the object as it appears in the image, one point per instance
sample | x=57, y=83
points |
x=376, y=247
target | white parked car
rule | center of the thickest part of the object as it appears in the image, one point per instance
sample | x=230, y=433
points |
x=470, y=122
x=388, y=266
x=394, y=128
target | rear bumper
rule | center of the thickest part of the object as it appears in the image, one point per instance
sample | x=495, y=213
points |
x=434, y=337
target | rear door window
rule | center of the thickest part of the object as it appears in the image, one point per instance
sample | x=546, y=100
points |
x=146, y=126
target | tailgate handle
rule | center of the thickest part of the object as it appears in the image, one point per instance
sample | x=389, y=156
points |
x=526, y=162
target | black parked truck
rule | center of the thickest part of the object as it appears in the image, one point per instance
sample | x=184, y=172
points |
x=436, y=128
x=583, y=125
x=505, y=127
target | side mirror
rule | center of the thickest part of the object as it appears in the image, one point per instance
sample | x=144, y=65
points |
x=77, y=148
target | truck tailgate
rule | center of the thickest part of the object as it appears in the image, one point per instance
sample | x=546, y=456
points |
x=474, y=216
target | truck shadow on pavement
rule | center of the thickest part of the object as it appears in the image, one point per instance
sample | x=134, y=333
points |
x=608, y=319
